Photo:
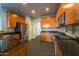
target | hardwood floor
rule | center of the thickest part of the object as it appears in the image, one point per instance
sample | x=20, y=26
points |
x=20, y=50
x=37, y=48
x=34, y=48
x=58, y=51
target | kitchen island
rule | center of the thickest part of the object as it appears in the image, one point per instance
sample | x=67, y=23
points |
x=68, y=47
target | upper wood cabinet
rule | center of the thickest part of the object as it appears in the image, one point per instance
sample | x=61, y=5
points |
x=76, y=6
x=21, y=19
x=51, y=21
x=18, y=19
x=14, y=18
x=71, y=14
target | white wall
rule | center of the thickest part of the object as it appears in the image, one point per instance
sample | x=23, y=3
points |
x=29, y=28
x=37, y=27
x=3, y=19
x=34, y=27
x=0, y=18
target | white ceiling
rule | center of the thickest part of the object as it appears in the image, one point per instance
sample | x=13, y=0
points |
x=26, y=9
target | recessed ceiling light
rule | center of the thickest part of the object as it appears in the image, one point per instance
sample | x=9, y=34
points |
x=33, y=11
x=47, y=9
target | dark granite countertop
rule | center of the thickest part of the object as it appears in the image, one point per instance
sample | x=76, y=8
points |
x=6, y=33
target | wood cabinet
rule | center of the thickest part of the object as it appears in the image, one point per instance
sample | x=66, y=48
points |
x=71, y=14
x=20, y=50
x=14, y=18
x=20, y=19
x=76, y=7
x=51, y=21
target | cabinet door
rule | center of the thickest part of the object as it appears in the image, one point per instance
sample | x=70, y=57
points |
x=19, y=19
x=69, y=16
x=22, y=19
x=72, y=14
x=12, y=19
